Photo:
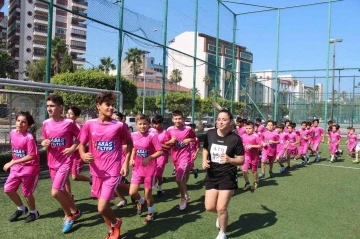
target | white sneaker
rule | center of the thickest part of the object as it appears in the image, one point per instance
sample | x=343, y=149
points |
x=182, y=204
x=217, y=224
x=221, y=235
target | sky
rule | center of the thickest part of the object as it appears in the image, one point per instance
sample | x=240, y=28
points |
x=303, y=32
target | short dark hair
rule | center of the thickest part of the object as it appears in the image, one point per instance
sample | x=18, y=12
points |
x=249, y=123
x=120, y=115
x=280, y=126
x=258, y=120
x=330, y=122
x=157, y=119
x=142, y=117
x=56, y=99
x=177, y=113
x=269, y=121
x=293, y=125
x=76, y=110
x=239, y=120
x=304, y=122
x=192, y=125
x=316, y=120
x=285, y=121
x=105, y=96
x=227, y=112
x=28, y=116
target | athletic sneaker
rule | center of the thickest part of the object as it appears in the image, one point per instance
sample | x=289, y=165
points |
x=122, y=203
x=182, y=204
x=221, y=235
x=254, y=186
x=272, y=175
x=149, y=218
x=32, y=217
x=68, y=223
x=303, y=162
x=173, y=172
x=115, y=230
x=196, y=173
x=217, y=224
x=262, y=176
x=77, y=215
x=282, y=170
x=355, y=161
x=159, y=194
x=139, y=207
x=17, y=214
x=246, y=187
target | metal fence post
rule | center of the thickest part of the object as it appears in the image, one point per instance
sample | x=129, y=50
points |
x=194, y=66
x=48, y=47
x=327, y=66
x=119, y=101
x=164, y=58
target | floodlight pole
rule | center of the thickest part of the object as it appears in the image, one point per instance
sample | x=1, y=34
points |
x=119, y=102
x=327, y=66
x=275, y=116
x=233, y=76
x=48, y=48
x=164, y=58
x=217, y=55
x=194, y=66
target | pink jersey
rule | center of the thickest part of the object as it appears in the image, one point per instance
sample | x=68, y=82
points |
x=352, y=141
x=283, y=141
x=334, y=137
x=180, y=151
x=241, y=130
x=252, y=139
x=21, y=146
x=161, y=135
x=292, y=138
x=261, y=129
x=76, y=154
x=105, y=141
x=124, y=152
x=144, y=146
x=317, y=133
x=61, y=135
x=194, y=146
x=304, y=135
x=270, y=149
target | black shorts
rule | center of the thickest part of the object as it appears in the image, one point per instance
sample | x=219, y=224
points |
x=225, y=182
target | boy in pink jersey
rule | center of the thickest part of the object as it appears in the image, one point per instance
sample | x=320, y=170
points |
x=105, y=137
x=294, y=140
x=24, y=168
x=287, y=123
x=261, y=128
x=334, y=141
x=73, y=113
x=194, y=148
x=157, y=123
x=281, y=146
x=269, y=141
x=143, y=159
x=305, y=136
x=318, y=136
x=351, y=142
x=58, y=137
x=252, y=144
x=179, y=136
x=240, y=123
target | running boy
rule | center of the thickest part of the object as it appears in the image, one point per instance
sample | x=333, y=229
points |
x=269, y=141
x=24, y=168
x=305, y=136
x=143, y=159
x=105, y=137
x=334, y=141
x=281, y=146
x=293, y=138
x=318, y=136
x=58, y=137
x=351, y=142
x=252, y=144
x=179, y=136
x=194, y=148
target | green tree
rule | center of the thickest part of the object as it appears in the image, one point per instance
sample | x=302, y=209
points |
x=179, y=101
x=93, y=79
x=36, y=71
x=106, y=64
x=134, y=58
x=67, y=64
x=150, y=104
x=207, y=80
x=59, y=48
x=176, y=76
x=6, y=65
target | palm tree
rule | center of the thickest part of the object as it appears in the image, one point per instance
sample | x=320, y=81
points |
x=134, y=58
x=106, y=64
x=176, y=76
x=197, y=92
x=207, y=80
x=295, y=82
x=59, y=48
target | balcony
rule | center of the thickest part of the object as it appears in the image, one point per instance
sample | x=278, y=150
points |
x=40, y=32
x=80, y=5
x=41, y=19
x=79, y=61
x=77, y=49
x=39, y=44
x=80, y=17
x=41, y=7
x=79, y=25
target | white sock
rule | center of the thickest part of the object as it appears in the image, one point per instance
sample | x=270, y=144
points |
x=151, y=209
x=141, y=200
x=34, y=211
x=22, y=208
x=159, y=187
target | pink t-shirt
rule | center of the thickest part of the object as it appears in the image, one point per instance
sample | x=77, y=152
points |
x=180, y=151
x=61, y=134
x=21, y=146
x=334, y=138
x=304, y=134
x=317, y=133
x=261, y=129
x=105, y=141
x=270, y=149
x=124, y=152
x=352, y=139
x=283, y=141
x=161, y=135
x=194, y=146
x=76, y=154
x=252, y=139
x=144, y=146
x=241, y=130
x=292, y=138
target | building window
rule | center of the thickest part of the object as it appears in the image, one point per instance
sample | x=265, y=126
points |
x=246, y=56
x=30, y=1
x=29, y=38
x=39, y=52
x=79, y=32
x=29, y=13
x=28, y=50
x=61, y=31
x=78, y=43
x=228, y=52
x=213, y=48
x=61, y=19
x=29, y=25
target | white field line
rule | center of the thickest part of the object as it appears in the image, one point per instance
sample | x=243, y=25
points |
x=334, y=166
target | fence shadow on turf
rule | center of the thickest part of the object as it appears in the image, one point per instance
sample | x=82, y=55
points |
x=251, y=222
x=169, y=221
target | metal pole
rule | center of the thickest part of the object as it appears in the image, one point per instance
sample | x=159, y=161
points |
x=327, y=67
x=194, y=66
x=217, y=55
x=314, y=99
x=164, y=58
x=48, y=48
x=333, y=85
x=145, y=66
x=233, y=76
x=277, y=67
x=119, y=102
x=353, y=104
x=338, y=101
